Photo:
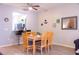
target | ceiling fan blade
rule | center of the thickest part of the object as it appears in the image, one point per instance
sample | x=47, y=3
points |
x=23, y=6
x=25, y=9
x=34, y=8
x=29, y=4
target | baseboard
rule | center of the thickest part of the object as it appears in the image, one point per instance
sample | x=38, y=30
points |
x=63, y=45
x=53, y=43
x=8, y=45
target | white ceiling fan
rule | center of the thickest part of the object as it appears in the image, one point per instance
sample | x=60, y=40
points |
x=30, y=6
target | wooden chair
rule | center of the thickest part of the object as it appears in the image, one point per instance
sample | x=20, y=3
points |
x=49, y=39
x=28, y=41
x=42, y=44
x=24, y=36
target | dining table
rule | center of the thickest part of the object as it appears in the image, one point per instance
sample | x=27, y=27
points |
x=37, y=39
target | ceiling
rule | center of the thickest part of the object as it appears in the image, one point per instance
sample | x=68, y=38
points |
x=43, y=6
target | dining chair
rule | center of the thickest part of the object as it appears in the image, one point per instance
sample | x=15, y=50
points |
x=42, y=44
x=24, y=39
x=29, y=41
x=49, y=39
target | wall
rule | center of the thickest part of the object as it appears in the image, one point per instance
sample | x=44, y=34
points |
x=61, y=37
x=7, y=36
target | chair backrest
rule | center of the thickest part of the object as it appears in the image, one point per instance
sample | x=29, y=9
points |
x=43, y=39
x=24, y=39
x=30, y=36
x=26, y=36
x=50, y=37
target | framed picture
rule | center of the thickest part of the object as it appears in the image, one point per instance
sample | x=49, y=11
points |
x=6, y=19
x=69, y=23
x=41, y=24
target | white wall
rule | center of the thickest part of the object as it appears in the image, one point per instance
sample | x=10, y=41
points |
x=61, y=37
x=7, y=36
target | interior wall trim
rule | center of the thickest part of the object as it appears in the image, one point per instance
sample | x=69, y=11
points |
x=64, y=45
x=8, y=45
x=53, y=43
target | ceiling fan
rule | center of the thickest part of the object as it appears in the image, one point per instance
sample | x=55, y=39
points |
x=30, y=6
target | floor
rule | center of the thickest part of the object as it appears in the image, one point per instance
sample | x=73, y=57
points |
x=56, y=50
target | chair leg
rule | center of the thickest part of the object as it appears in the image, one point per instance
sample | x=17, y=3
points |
x=24, y=50
x=34, y=50
x=27, y=50
x=51, y=46
x=48, y=48
x=41, y=50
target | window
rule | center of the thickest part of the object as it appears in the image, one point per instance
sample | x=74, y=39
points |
x=19, y=21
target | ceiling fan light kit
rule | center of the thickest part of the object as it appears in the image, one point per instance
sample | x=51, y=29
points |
x=30, y=6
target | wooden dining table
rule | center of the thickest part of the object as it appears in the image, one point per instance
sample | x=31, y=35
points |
x=37, y=38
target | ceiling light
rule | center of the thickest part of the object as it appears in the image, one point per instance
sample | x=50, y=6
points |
x=30, y=8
